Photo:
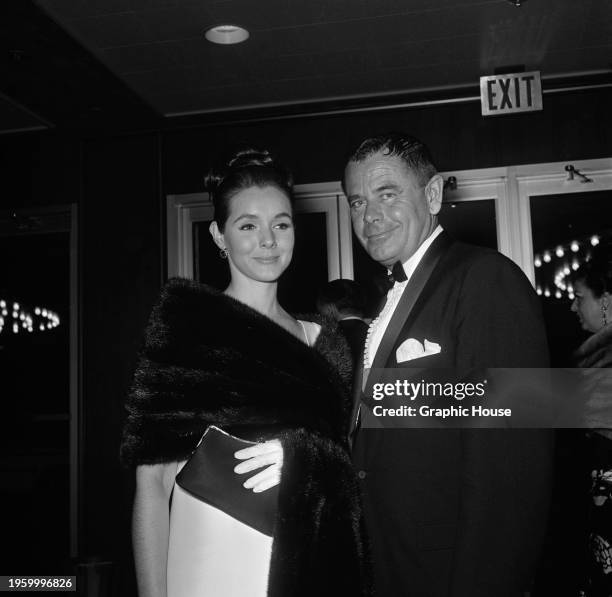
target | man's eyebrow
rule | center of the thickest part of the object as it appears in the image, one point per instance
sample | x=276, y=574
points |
x=388, y=186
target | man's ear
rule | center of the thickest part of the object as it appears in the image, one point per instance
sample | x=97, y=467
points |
x=434, y=193
x=217, y=235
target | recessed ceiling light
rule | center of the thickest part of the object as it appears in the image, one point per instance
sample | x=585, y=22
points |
x=227, y=34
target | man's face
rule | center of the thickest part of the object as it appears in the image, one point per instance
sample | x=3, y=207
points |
x=392, y=213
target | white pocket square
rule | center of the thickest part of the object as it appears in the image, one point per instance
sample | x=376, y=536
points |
x=412, y=349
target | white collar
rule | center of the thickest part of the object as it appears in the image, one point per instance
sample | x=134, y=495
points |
x=410, y=265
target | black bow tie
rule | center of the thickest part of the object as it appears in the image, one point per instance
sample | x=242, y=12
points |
x=397, y=274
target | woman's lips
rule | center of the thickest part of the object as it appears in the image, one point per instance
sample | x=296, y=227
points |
x=266, y=260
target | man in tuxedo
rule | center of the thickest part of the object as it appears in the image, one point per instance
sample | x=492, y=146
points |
x=450, y=512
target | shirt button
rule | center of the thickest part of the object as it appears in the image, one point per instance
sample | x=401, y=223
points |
x=361, y=474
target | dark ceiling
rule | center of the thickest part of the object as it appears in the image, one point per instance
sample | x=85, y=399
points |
x=82, y=62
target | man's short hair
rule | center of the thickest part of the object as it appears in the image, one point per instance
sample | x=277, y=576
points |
x=413, y=152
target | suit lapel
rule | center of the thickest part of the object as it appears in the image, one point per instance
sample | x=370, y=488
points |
x=400, y=318
x=406, y=304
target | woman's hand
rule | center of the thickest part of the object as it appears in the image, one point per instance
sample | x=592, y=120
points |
x=268, y=454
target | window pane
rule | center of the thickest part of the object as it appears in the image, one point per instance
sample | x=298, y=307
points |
x=472, y=222
x=558, y=221
x=299, y=285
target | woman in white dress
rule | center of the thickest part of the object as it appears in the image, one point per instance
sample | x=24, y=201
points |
x=238, y=361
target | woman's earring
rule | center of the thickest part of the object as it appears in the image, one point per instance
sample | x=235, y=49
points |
x=604, y=314
x=223, y=253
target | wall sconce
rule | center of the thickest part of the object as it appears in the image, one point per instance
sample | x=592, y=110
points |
x=571, y=172
x=451, y=183
x=517, y=3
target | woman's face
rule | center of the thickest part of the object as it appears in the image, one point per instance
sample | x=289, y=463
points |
x=258, y=234
x=588, y=307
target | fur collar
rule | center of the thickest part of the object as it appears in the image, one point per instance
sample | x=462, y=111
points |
x=209, y=359
x=596, y=350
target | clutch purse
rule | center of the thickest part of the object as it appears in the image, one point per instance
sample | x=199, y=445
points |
x=209, y=476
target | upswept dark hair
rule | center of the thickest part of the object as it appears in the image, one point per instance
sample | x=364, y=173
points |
x=596, y=273
x=413, y=152
x=246, y=168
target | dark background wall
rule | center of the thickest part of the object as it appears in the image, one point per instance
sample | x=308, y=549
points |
x=120, y=223
x=39, y=169
x=572, y=126
x=120, y=183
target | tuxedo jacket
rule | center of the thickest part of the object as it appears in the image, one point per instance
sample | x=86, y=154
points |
x=459, y=512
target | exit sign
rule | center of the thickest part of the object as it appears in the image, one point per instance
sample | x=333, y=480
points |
x=512, y=93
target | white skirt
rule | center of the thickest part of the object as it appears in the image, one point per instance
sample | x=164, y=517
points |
x=211, y=554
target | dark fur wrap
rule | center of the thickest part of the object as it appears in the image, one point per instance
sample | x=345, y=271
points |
x=209, y=359
x=595, y=357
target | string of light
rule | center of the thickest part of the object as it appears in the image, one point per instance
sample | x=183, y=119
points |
x=571, y=260
x=18, y=319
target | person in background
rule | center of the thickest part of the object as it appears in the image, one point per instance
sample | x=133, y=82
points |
x=593, y=306
x=345, y=302
x=235, y=366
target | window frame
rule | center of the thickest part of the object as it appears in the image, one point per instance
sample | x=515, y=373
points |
x=510, y=187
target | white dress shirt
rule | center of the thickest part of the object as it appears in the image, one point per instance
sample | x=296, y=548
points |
x=379, y=325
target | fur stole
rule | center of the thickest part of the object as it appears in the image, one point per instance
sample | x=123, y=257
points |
x=595, y=357
x=209, y=359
